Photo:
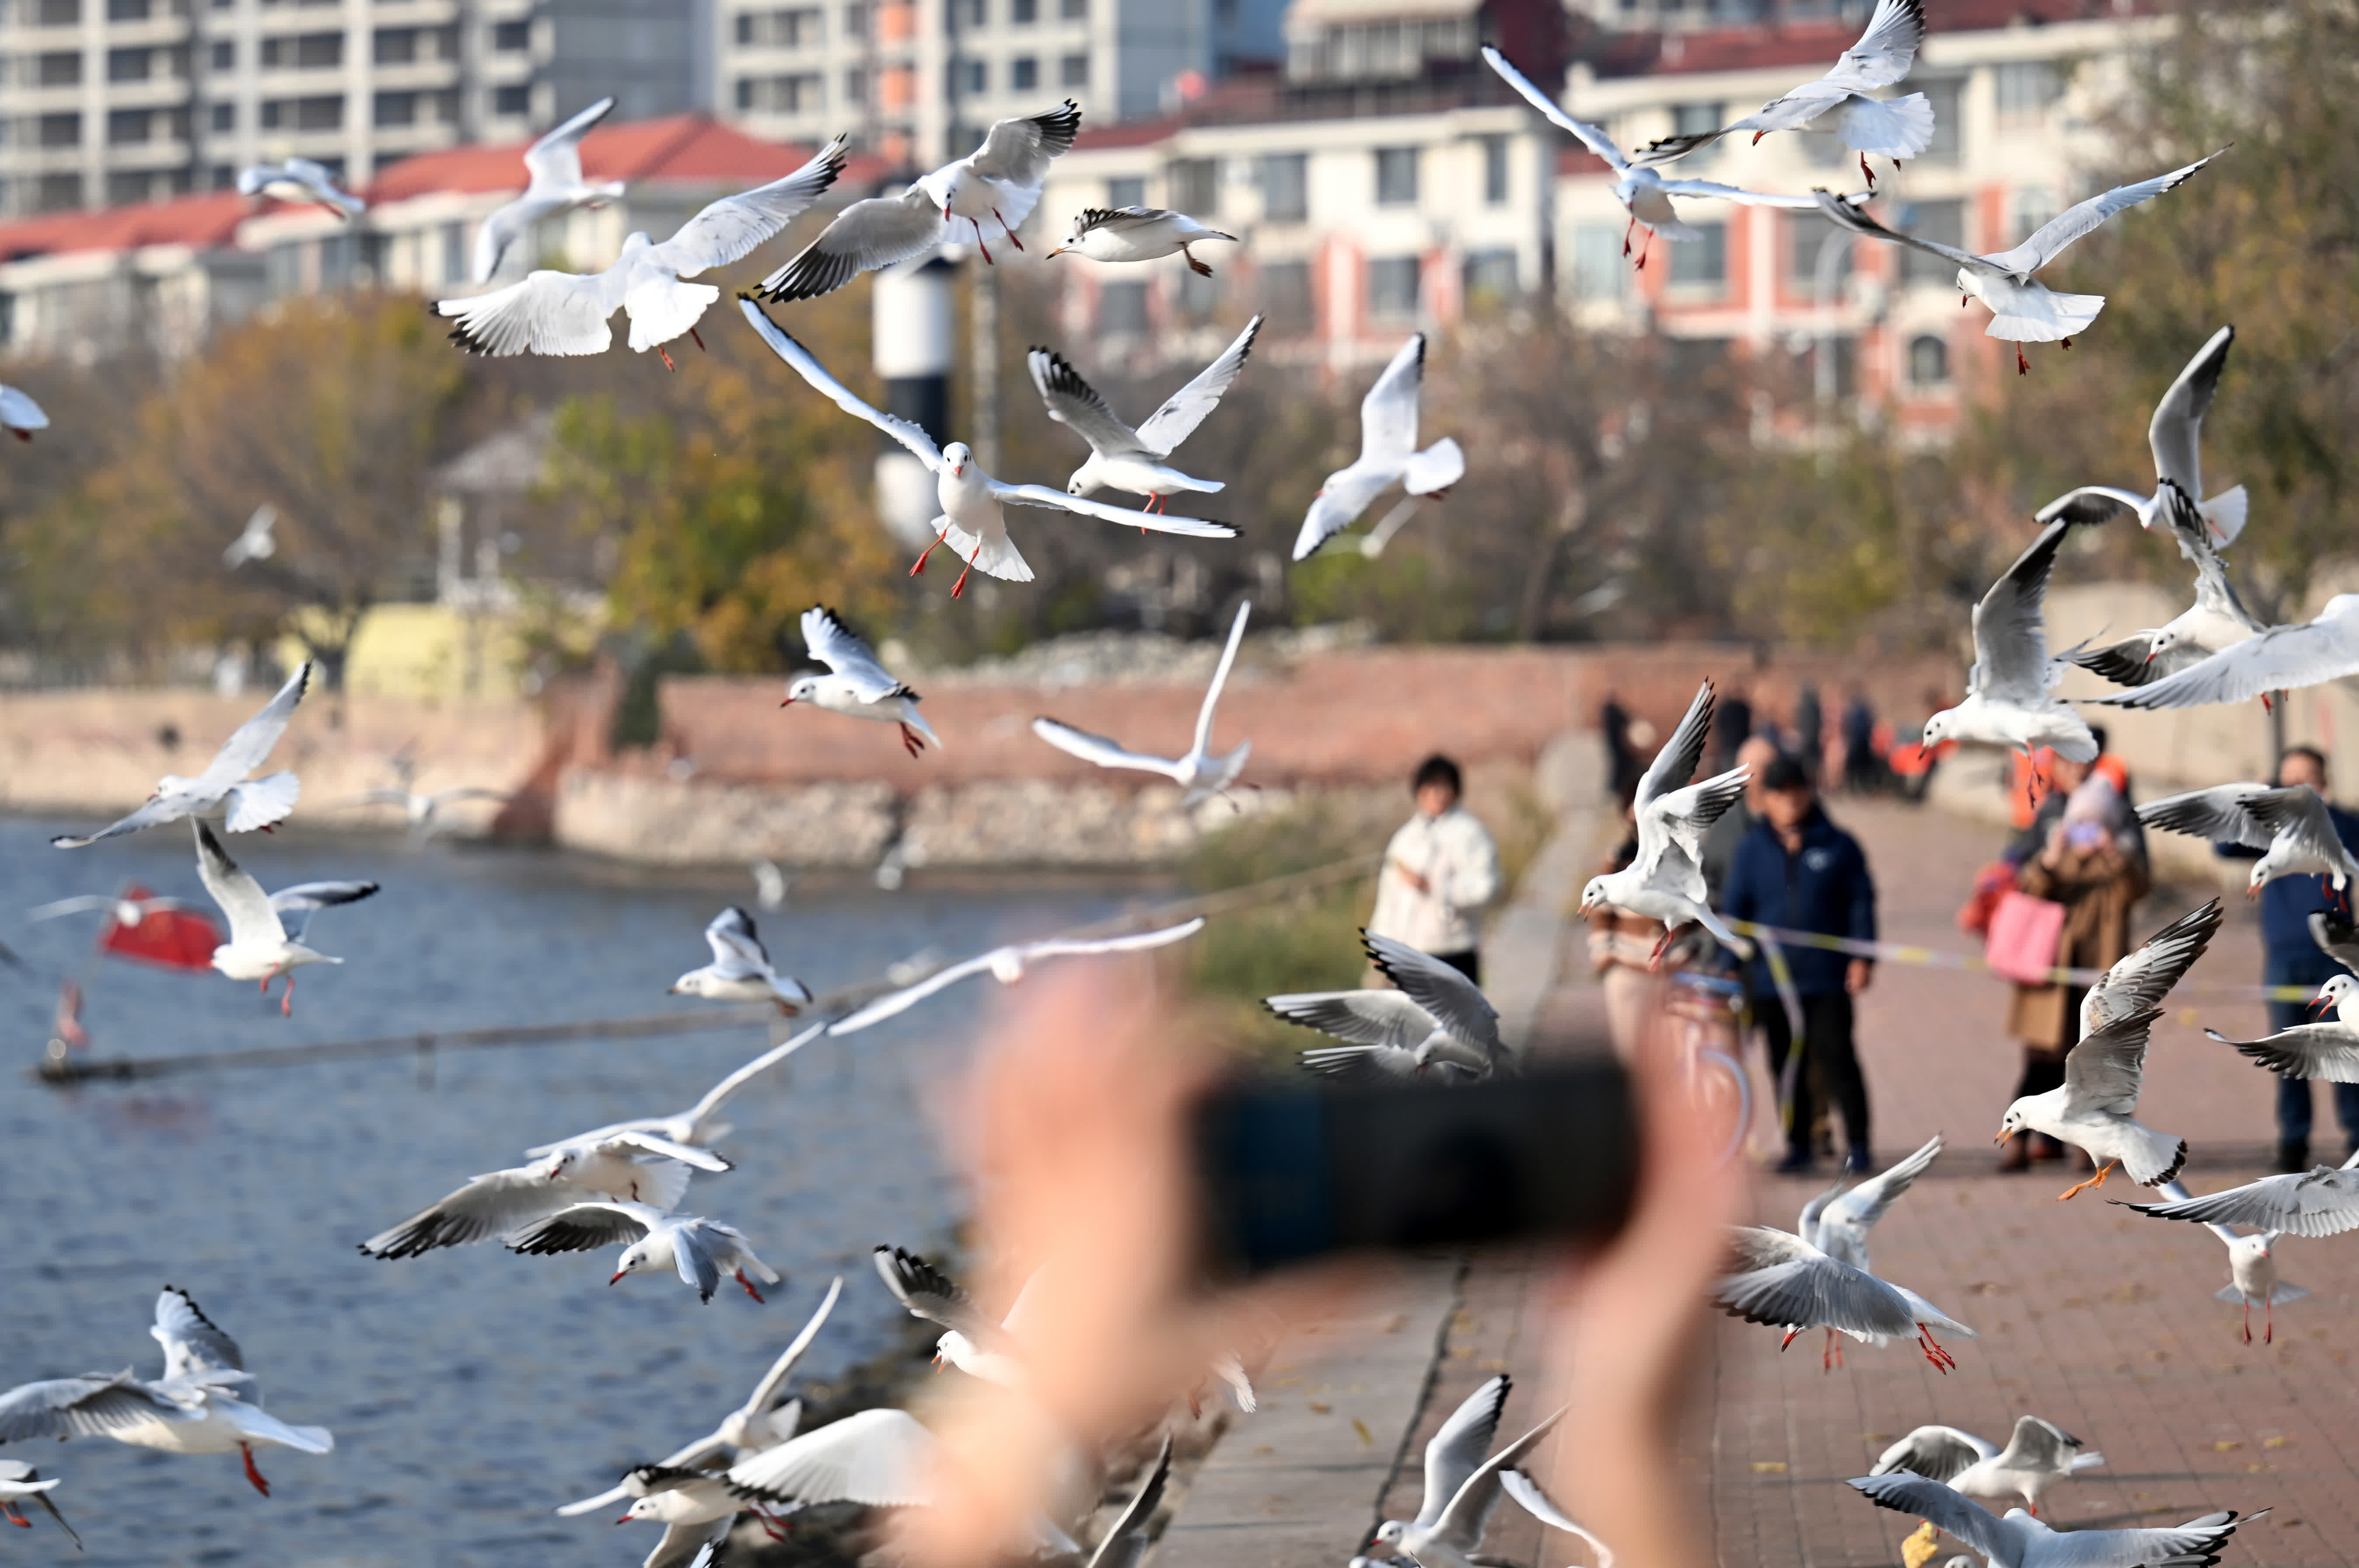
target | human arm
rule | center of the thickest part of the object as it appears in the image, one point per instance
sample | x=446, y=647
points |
x=1860, y=920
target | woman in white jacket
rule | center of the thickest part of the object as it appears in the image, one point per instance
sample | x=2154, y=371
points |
x=1440, y=871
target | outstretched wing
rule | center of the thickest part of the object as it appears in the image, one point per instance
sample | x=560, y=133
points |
x=1017, y=153
x=1944, y=1509
x=1099, y=750
x=1058, y=501
x=2336, y=938
x=1936, y=1452
x=883, y=230
x=2049, y=241
x=1455, y=1001
x=2283, y=658
x=2195, y=1544
x=934, y=1296
x=547, y=313
x=1847, y=214
x=2106, y=1069
x=2010, y=637
x=1188, y=407
x=554, y=162
x=2176, y=433
x=1675, y=764
x=806, y=365
x=247, y=749
x=1887, y=49
x=1855, y=1213
x=837, y=647
x=2217, y=814
x=2313, y=1202
x=1594, y=138
x=252, y=919
x=1075, y=404
x=1220, y=678
x=883, y=1458
x=734, y=227
x=88, y=1406
x=2139, y=981
x=191, y=1341
x=1388, y=1019
x=486, y=1206
x=584, y=1227
x=1388, y=412
x=319, y=896
x=2326, y=1051
x=1457, y=1450
x=1124, y=1539
x=2298, y=812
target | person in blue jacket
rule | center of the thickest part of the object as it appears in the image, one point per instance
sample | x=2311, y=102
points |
x=1800, y=871
x=2291, y=958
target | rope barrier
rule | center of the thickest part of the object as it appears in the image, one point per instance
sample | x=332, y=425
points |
x=1935, y=958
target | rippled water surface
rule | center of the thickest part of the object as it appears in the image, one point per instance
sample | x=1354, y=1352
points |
x=470, y=1390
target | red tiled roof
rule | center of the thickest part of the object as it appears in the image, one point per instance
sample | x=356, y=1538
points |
x=685, y=148
x=1820, y=40
x=207, y=219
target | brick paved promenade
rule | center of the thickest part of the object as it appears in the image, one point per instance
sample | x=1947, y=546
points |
x=2099, y=1320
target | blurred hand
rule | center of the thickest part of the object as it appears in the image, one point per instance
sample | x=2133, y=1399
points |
x=1859, y=975
x=1416, y=880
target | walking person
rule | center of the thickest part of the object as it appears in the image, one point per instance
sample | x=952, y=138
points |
x=2290, y=957
x=1440, y=871
x=1800, y=871
x=2080, y=853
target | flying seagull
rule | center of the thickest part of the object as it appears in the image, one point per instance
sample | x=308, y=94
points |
x=2281, y=659
x=1001, y=179
x=1137, y=234
x=258, y=948
x=1008, y=966
x=1136, y=460
x=245, y=804
x=300, y=181
x=2023, y=309
x=2010, y=698
x=1665, y=881
x=553, y=168
x=856, y=685
x=2038, y=1454
x=565, y=313
x=255, y=542
x=2290, y=824
x=1388, y=454
x=971, y=500
x=2019, y=1540
x=1199, y=774
x=740, y=969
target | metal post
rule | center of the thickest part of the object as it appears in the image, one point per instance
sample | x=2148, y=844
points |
x=983, y=366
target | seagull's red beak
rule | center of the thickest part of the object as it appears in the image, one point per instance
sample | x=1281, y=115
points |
x=2321, y=1003
x=789, y=703
x=616, y=1277
x=625, y=1520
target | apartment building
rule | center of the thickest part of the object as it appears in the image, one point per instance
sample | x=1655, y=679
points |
x=2017, y=88
x=920, y=81
x=1384, y=182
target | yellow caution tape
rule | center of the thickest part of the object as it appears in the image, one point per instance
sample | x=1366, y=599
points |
x=1934, y=959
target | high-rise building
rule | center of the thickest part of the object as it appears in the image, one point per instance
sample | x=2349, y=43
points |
x=922, y=80
x=107, y=102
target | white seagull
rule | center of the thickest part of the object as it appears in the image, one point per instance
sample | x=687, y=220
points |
x=1199, y=774
x=192, y=1409
x=700, y=1126
x=856, y=684
x=971, y=522
x=2010, y=699
x=1008, y=966
x=2023, y=309
x=2253, y=1277
x=769, y=881
x=2282, y=658
x=1785, y=1282
x=703, y=1251
x=258, y=948
x=19, y=415
x=1837, y=1222
x=246, y=803
x=1136, y=460
x=298, y=180
x=1665, y=881
x=553, y=168
x=2290, y=824
x=305, y=899
x=255, y=542
x=1644, y=194
x=1897, y=128
x=1434, y=1022
x=565, y=313
x=1000, y=179
x=2038, y=1454
x=421, y=810
x=764, y=1421
x=1137, y=234
x=20, y=1484
x=2019, y=1540
x=1462, y=1486
x=740, y=969
x=2094, y=1108
x=971, y=1341
x=1388, y=454
x=639, y=1167
x=1126, y=1540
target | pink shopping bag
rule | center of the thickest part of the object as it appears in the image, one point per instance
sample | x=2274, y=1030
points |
x=2023, y=937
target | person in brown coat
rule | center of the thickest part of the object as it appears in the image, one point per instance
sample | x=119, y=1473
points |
x=2086, y=863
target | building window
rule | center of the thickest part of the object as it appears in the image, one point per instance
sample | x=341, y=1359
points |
x=273, y=114
x=455, y=262
x=222, y=177
x=60, y=14
x=1598, y=269
x=856, y=19
x=746, y=92
x=1284, y=294
x=1284, y=188
x=58, y=193
x=1126, y=191
x=1807, y=235
x=1694, y=119
x=225, y=55
x=1928, y=361
x=1944, y=223
x=63, y=69
x=324, y=114
x=960, y=15
x=126, y=186
x=396, y=46
x=1073, y=70
x=127, y=65
x=395, y=109
x=1495, y=170
x=224, y=117
x=60, y=130
x=1395, y=177
x=2025, y=89
x=515, y=99
x=126, y=127
x=1073, y=10
x=126, y=10
x=1022, y=74
x=1023, y=10
x=1392, y=288
x=1122, y=309
x=1944, y=93
x=855, y=85
x=443, y=107
x=319, y=51
x=969, y=77
x=1192, y=185
x=803, y=92
x=1490, y=278
x=1199, y=295
x=1702, y=262
x=511, y=38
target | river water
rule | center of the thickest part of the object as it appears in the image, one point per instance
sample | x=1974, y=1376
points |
x=470, y=1391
